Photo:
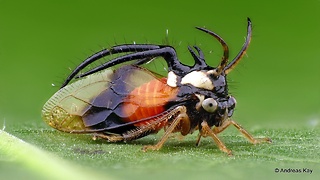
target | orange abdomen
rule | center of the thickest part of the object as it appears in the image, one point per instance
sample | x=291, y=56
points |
x=148, y=100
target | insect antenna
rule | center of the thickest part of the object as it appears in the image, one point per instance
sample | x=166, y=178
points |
x=237, y=59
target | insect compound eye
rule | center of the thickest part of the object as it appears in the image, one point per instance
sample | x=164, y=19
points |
x=210, y=105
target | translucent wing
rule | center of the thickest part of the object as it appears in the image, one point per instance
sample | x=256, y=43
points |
x=65, y=108
x=106, y=99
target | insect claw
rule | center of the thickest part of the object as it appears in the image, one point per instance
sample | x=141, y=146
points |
x=198, y=139
x=268, y=140
x=94, y=137
x=262, y=140
x=149, y=147
x=144, y=148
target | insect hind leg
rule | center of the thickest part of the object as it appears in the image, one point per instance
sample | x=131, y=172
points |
x=109, y=137
x=182, y=117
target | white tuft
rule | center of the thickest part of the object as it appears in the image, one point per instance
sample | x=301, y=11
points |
x=198, y=79
x=172, y=79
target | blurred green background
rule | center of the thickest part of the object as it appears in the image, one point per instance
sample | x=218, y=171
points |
x=276, y=85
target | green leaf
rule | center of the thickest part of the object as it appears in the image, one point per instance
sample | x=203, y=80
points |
x=40, y=163
x=276, y=86
x=291, y=149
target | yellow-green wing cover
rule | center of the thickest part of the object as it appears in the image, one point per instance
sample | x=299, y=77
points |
x=64, y=109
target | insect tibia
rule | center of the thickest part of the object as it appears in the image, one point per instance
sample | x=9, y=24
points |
x=109, y=137
x=138, y=133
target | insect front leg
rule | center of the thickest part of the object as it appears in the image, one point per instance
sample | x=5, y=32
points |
x=207, y=131
x=244, y=132
x=181, y=118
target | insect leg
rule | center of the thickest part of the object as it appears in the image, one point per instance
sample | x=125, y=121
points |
x=151, y=126
x=245, y=133
x=207, y=131
x=181, y=117
x=109, y=137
